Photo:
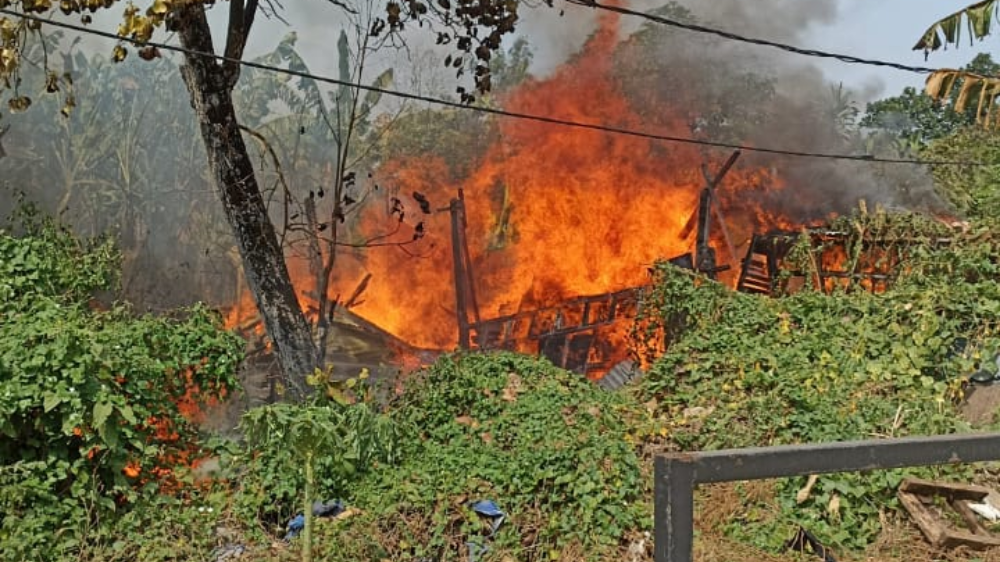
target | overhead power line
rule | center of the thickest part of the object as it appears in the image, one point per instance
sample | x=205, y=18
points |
x=490, y=110
x=849, y=59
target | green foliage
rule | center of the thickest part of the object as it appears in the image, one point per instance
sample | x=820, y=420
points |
x=744, y=371
x=334, y=439
x=547, y=446
x=913, y=119
x=89, y=401
x=48, y=262
x=970, y=189
x=163, y=528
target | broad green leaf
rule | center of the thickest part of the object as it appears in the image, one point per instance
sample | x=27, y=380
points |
x=51, y=401
x=127, y=413
x=109, y=434
x=101, y=412
x=978, y=17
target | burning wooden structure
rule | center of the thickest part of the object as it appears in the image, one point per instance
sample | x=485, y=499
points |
x=584, y=334
x=588, y=334
x=838, y=259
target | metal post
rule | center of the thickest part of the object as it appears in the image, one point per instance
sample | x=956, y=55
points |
x=676, y=474
x=673, y=504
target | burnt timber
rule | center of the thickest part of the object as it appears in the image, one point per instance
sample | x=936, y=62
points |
x=573, y=335
x=585, y=334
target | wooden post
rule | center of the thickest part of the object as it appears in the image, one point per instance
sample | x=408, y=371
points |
x=459, y=263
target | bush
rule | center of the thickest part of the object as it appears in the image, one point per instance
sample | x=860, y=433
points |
x=811, y=367
x=90, y=401
x=546, y=445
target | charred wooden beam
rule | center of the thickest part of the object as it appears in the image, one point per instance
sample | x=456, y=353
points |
x=463, y=276
x=358, y=291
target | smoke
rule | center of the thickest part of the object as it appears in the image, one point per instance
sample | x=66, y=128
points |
x=778, y=20
x=710, y=88
x=806, y=113
x=556, y=34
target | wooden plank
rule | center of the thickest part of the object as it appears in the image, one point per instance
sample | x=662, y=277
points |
x=913, y=492
x=928, y=524
x=950, y=490
x=969, y=516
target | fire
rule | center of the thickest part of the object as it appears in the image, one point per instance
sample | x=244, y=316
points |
x=871, y=268
x=553, y=212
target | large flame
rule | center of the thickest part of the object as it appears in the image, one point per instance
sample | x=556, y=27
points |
x=553, y=211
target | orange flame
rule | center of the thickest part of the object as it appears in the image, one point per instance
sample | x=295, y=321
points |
x=553, y=211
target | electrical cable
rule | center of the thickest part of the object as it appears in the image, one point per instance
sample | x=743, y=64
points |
x=493, y=111
x=849, y=59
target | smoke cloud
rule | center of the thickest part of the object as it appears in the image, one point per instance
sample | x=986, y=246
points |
x=710, y=88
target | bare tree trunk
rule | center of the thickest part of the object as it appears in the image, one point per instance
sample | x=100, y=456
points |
x=211, y=84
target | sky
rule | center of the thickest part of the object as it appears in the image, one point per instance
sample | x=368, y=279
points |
x=887, y=30
x=879, y=29
x=882, y=29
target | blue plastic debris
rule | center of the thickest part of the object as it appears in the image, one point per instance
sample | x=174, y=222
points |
x=488, y=509
x=320, y=509
x=331, y=509
x=496, y=516
x=476, y=550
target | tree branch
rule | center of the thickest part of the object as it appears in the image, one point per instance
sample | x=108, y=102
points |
x=241, y=17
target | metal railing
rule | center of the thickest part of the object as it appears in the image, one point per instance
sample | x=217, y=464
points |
x=677, y=474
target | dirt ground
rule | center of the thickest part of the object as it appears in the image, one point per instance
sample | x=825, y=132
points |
x=900, y=541
x=981, y=405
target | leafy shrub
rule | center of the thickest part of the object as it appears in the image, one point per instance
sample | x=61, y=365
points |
x=970, y=189
x=298, y=453
x=547, y=446
x=90, y=401
x=811, y=367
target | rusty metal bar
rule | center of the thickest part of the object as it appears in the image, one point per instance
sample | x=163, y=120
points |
x=677, y=474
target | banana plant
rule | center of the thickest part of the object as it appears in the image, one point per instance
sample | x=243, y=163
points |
x=971, y=88
x=977, y=18
x=979, y=21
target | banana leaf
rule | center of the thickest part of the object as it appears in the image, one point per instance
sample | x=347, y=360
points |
x=978, y=18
